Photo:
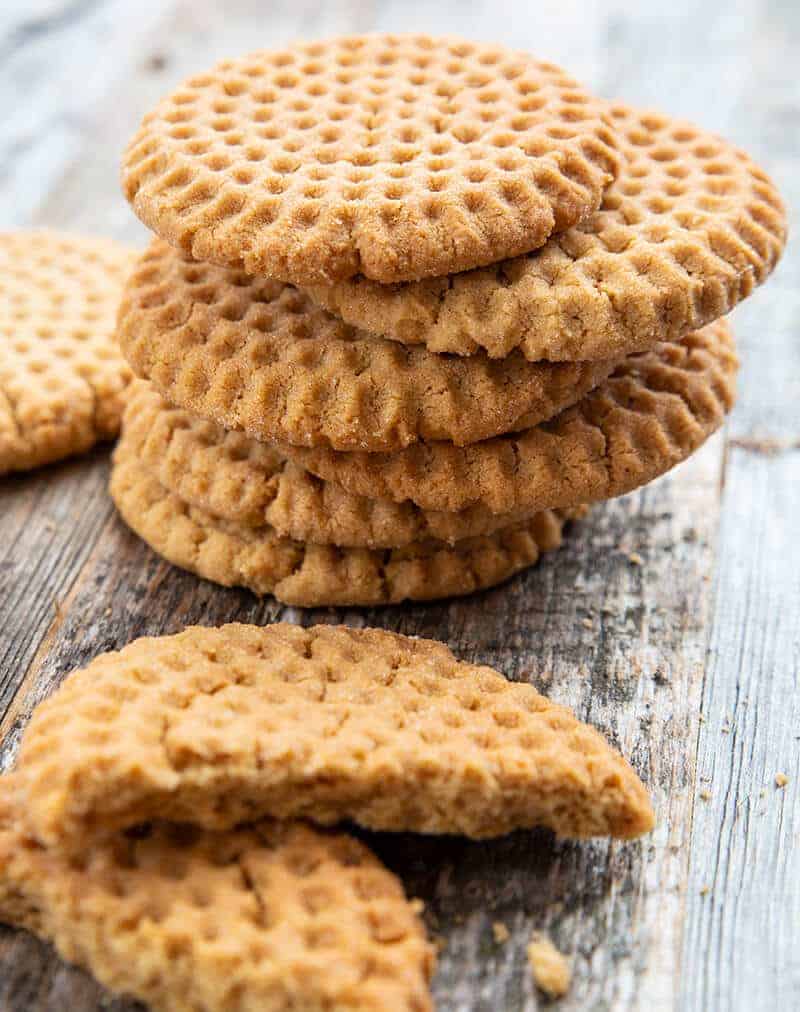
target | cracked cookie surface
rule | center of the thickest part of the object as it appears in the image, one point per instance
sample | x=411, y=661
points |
x=312, y=575
x=261, y=357
x=328, y=723
x=62, y=377
x=688, y=229
x=252, y=484
x=655, y=410
x=393, y=156
x=275, y=916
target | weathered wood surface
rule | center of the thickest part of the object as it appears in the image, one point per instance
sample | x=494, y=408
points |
x=690, y=662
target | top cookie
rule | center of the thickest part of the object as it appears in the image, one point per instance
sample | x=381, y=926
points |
x=393, y=156
x=688, y=229
x=61, y=374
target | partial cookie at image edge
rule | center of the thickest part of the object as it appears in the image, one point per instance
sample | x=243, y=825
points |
x=175, y=916
x=62, y=376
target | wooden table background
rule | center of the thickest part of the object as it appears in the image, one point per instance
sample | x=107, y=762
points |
x=689, y=661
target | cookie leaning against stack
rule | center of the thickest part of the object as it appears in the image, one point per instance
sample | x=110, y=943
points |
x=409, y=296
x=151, y=828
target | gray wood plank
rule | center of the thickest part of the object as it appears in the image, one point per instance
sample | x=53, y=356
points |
x=741, y=948
x=741, y=943
x=56, y=61
x=49, y=522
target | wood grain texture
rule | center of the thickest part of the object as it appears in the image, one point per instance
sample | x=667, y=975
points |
x=660, y=656
x=741, y=939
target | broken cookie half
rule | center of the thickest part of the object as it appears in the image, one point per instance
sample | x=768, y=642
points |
x=276, y=916
x=219, y=726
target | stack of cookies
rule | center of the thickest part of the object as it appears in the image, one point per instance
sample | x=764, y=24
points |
x=414, y=302
x=151, y=828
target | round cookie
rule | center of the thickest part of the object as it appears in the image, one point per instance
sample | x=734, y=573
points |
x=254, y=485
x=656, y=409
x=62, y=377
x=261, y=357
x=687, y=230
x=319, y=575
x=391, y=156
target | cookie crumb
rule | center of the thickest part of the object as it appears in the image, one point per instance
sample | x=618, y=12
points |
x=587, y=623
x=156, y=62
x=500, y=932
x=635, y=559
x=705, y=890
x=549, y=967
x=781, y=780
x=705, y=795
